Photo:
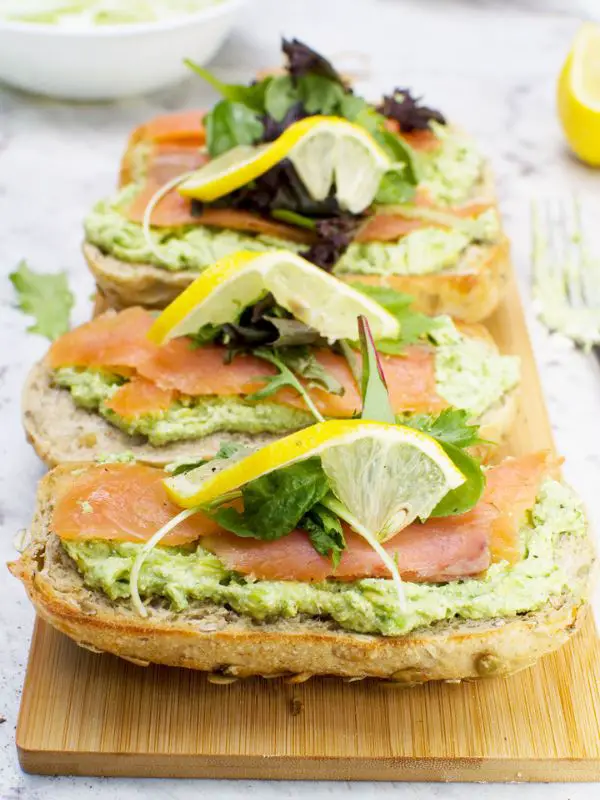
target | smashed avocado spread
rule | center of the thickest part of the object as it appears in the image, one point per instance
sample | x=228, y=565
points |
x=195, y=247
x=181, y=576
x=469, y=376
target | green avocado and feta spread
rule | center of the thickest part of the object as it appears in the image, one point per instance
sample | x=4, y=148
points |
x=431, y=249
x=469, y=376
x=84, y=13
x=182, y=576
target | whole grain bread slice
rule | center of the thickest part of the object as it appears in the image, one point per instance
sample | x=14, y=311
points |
x=218, y=640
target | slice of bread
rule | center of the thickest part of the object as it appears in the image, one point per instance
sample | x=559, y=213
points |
x=469, y=292
x=216, y=639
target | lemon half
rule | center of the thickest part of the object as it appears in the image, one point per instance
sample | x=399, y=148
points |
x=578, y=95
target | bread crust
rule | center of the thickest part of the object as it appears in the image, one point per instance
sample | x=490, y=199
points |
x=471, y=293
x=234, y=646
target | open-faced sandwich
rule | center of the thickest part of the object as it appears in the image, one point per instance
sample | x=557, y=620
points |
x=359, y=548
x=259, y=345
x=389, y=195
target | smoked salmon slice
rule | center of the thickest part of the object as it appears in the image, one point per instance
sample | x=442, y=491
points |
x=115, y=340
x=173, y=210
x=139, y=396
x=119, y=343
x=182, y=126
x=124, y=502
x=128, y=502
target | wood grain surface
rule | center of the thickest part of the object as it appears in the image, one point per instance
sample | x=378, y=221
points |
x=87, y=714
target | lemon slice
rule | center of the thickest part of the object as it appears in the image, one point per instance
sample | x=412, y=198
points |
x=385, y=475
x=324, y=151
x=578, y=95
x=313, y=296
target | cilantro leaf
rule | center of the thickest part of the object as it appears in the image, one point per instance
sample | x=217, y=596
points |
x=275, y=503
x=285, y=377
x=252, y=96
x=467, y=495
x=44, y=296
x=375, y=398
x=230, y=124
x=325, y=532
x=451, y=426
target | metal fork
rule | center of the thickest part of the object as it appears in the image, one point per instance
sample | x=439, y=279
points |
x=566, y=276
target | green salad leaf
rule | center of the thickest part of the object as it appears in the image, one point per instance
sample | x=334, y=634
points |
x=230, y=124
x=280, y=95
x=325, y=532
x=304, y=363
x=284, y=377
x=414, y=326
x=375, y=398
x=46, y=297
x=252, y=96
x=275, y=503
x=450, y=426
x=226, y=450
x=466, y=496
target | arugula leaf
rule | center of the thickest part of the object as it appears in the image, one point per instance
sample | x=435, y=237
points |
x=375, y=398
x=451, y=426
x=280, y=96
x=252, y=96
x=230, y=124
x=325, y=532
x=44, y=296
x=414, y=326
x=304, y=363
x=466, y=496
x=275, y=503
x=285, y=377
x=226, y=450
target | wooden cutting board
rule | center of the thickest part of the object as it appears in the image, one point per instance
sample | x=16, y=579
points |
x=88, y=714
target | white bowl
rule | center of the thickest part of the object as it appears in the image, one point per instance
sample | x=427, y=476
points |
x=104, y=62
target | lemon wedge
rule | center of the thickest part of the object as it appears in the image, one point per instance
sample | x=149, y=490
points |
x=384, y=475
x=325, y=151
x=578, y=95
x=313, y=296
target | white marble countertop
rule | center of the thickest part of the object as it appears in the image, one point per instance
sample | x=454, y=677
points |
x=491, y=66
